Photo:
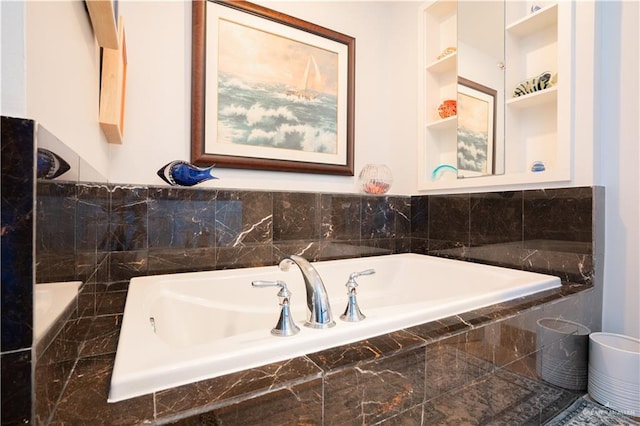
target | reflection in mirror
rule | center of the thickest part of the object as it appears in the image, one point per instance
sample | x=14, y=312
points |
x=57, y=162
x=79, y=169
x=480, y=147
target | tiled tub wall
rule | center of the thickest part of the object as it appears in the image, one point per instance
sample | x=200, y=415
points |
x=141, y=231
x=105, y=234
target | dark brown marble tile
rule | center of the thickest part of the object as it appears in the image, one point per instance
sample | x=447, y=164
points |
x=296, y=216
x=55, y=363
x=296, y=405
x=375, y=391
x=438, y=329
x=402, y=208
x=350, y=249
x=563, y=214
x=111, y=303
x=124, y=265
x=243, y=217
x=171, y=261
x=558, y=233
x=66, y=344
x=410, y=417
x=450, y=367
x=128, y=226
x=310, y=250
x=419, y=245
x=92, y=224
x=15, y=388
x=366, y=350
x=86, y=265
x=495, y=217
x=381, y=245
x=232, y=388
x=378, y=218
x=340, y=217
x=502, y=397
x=17, y=246
x=181, y=218
x=524, y=366
x=50, y=379
x=243, y=257
x=55, y=231
x=449, y=221
x=516, y=340
x=84, y=400
x=420, y=216
x=102, y=337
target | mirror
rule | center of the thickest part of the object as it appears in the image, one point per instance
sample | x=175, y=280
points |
x=56, y=161
x=480, y=100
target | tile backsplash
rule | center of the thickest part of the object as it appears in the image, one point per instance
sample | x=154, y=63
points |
x=117, y=232
x=104, y=234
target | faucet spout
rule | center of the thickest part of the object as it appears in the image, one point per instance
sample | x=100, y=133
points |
x=317, y=298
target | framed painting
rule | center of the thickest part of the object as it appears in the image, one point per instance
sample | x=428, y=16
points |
x=270, y=91
x=476, y=128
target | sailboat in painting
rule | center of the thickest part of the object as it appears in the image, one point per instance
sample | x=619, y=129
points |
x=311, y=79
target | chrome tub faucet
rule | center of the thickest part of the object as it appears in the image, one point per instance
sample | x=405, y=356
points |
x=317, y=298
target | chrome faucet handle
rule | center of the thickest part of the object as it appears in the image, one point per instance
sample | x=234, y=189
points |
x=354, y=275
x=285, y=325
x=352, y=312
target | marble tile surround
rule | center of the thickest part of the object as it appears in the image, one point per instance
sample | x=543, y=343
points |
x=122, y=231
x=108, y=233
x=17, y=268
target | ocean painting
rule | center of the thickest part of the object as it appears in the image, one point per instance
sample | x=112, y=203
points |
x=473, y=134
x=275, y=92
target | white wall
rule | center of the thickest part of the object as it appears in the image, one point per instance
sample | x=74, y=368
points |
x=157, y=120
x=63, y=76
x=618, y=138
x=13, y=60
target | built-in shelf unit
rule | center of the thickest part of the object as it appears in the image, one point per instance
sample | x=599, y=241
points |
x=537, y=126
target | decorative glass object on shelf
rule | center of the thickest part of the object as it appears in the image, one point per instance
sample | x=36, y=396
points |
x=446, y=52
x=448, y=108
x=445, y=172
x=375, y=179
x=181, y=173
x=535, y=84
x=538, y=166
x=50, y=165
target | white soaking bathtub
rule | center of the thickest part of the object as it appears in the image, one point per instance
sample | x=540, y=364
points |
x=182, y=328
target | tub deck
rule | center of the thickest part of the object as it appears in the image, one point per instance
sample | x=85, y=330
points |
x=183, y=328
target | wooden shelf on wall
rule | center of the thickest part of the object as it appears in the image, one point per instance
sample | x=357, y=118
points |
x=113, y=88
x=104, y=22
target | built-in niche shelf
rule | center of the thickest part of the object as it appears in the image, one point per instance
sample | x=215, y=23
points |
x=443, y=65
x=536, y=126
x=443, y=124
x=438, y=82
x=548, y=97
x=532, y=22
